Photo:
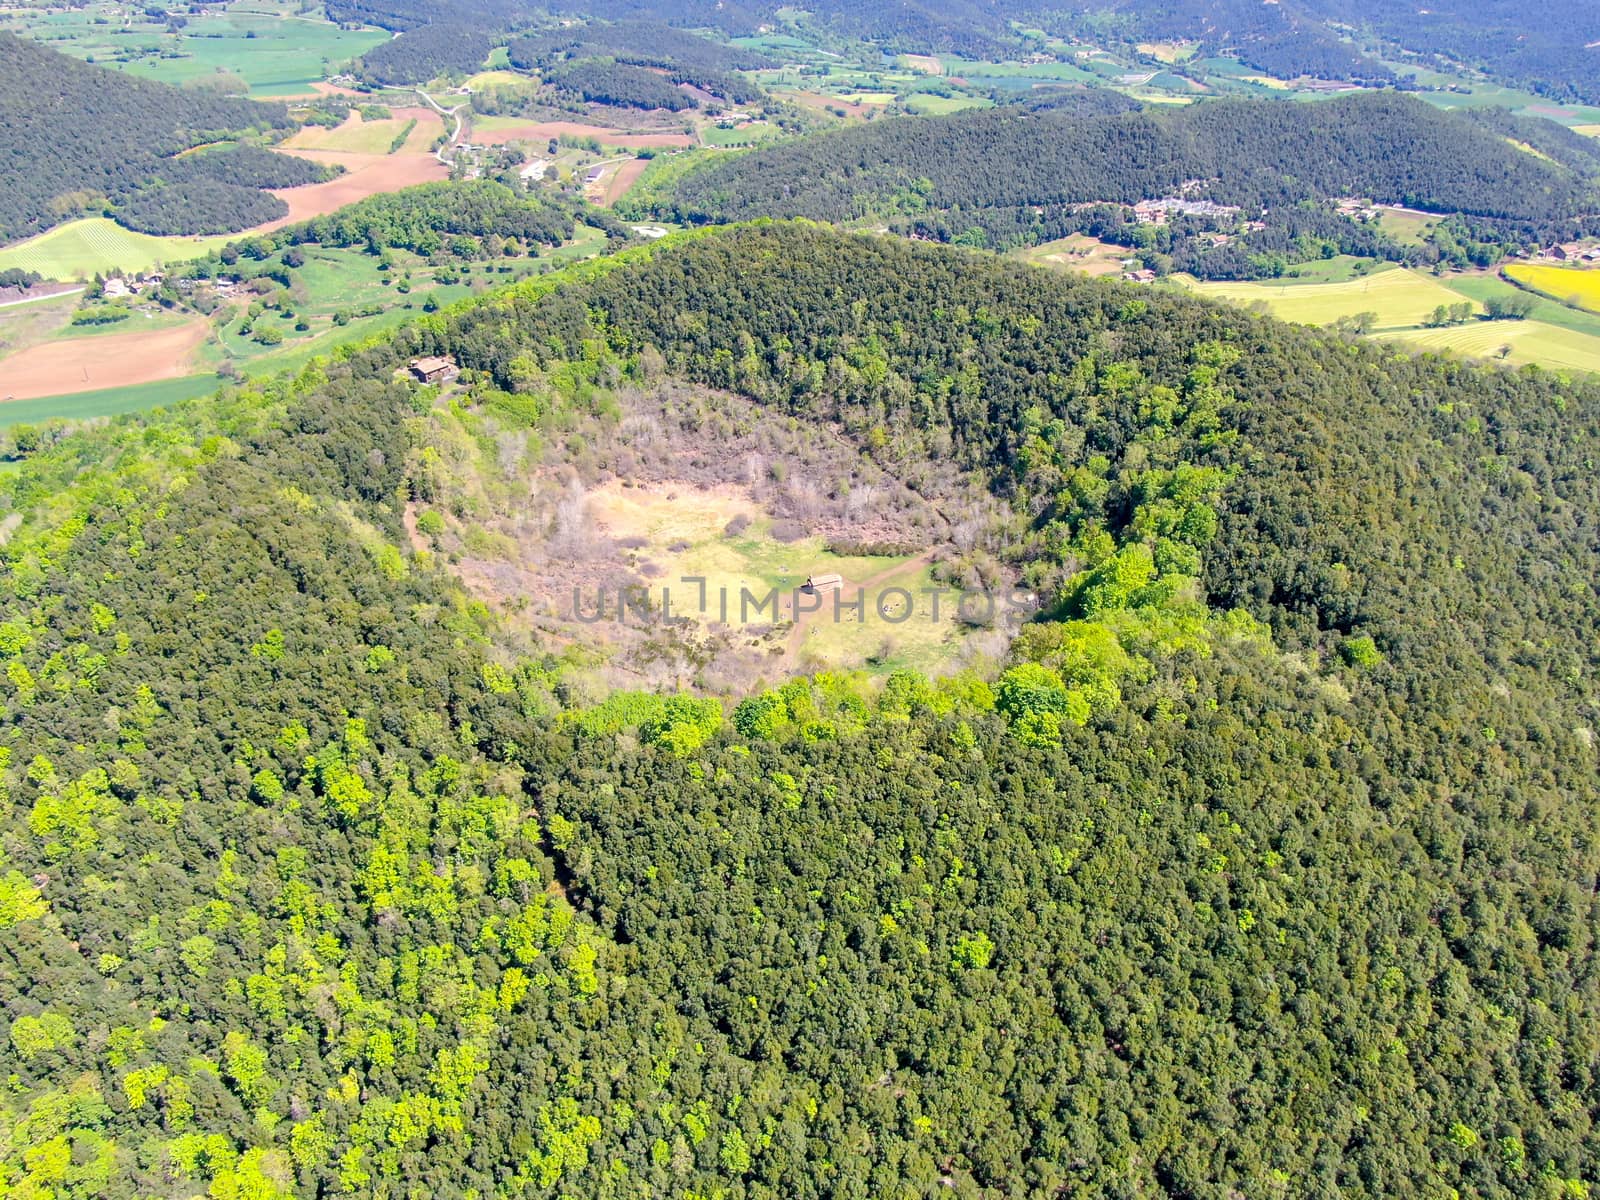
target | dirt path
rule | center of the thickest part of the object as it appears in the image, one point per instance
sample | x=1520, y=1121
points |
x=106, y=360
x=39, y=299
x=850, y=587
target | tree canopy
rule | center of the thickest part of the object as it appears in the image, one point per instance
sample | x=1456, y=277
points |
x=1263, y=864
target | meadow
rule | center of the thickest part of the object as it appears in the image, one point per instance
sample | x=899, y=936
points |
x=1400, y=298
x=685, y=531
x=1078, y=252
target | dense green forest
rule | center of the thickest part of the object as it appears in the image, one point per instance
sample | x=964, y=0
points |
x=421, y=53
x=1016, y=175
x=597, y=81
x=216, y=191
x=1265, y=864
x=81, y=138
x=641, y=43
x=685, y=57
x=1543, y=48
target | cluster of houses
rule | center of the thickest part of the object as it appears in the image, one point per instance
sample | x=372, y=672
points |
x=1571, y=252
x=1159, y=212
x=118, y=288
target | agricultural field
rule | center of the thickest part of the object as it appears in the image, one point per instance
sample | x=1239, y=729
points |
x=365, y=175
x=1570, y=286
x=128, y=356
x=750, y=134
x=1536, y=342
x=340, y=295
x=1169, y=52
x=78, y=249
x=358, y=136
x=1558, y=339
x=276, y=54
x=84, y=406
x=1400, y=298
x=1483, y=286
x=499, y=130
x=24, y=325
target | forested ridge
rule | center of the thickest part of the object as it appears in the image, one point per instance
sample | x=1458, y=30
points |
x=600, y=47
x=1265, y=865
x=1545, y=49
x=81, y=138
x=1018, y=175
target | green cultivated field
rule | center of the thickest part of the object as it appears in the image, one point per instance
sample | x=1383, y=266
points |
x=78, y=249
x=1530, y=341
x=713, y=136
x=84, y=406
x=1555, y=337
x=277, y=55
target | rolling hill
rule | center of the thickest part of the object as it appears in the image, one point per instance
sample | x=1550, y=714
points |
x=1261, y=861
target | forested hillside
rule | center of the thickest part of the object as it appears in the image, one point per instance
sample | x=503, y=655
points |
x=685, y=58
x=1264, y=866
x=419, y=54
x=80, y=138
x=1018, y=175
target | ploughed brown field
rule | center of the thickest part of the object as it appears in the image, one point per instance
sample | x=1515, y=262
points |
x=623, y=178
x=365, y=175
x=105, y=360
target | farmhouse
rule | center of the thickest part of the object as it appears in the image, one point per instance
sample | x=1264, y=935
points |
x=434, y=369
x=823, y=583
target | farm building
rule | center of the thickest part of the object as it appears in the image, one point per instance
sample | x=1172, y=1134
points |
x=823, y=583
x=595, y=173
x=434, y=369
